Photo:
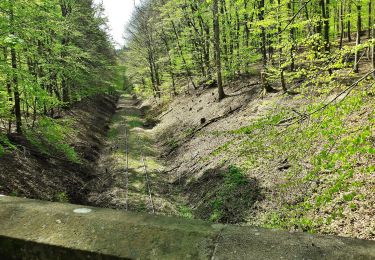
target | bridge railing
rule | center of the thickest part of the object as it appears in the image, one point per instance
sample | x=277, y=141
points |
x=31, y=229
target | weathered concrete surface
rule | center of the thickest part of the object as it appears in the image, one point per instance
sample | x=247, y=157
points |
x=32, y=229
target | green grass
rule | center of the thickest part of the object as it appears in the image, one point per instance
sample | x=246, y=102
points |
x=329, y=143
x=61, y=197
x=232, y=197
x=5, y=143
x=185, y=212
x=51, y=137
x=134, y=123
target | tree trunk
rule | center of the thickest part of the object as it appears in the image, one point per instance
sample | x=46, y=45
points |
x=65, y=11
x=358, y=40
x=265, y=84
x=292, y=37
x=369, y=19
x=341, y=23
x=215, y=11
x=247, y=34
x=325, y=15
x=9, y=91
x=373, y=50
x=263, y=34
x=17, y=99
x=349, y=23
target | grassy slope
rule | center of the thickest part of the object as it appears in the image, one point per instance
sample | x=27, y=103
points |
x=315, y=174
x=322, y=167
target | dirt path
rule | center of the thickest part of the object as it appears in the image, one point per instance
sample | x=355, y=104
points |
x=143, y=187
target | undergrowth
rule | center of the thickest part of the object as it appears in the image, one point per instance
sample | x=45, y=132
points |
x=233, y=197
x=331, y=154
x=4, y=144
x=51, y=137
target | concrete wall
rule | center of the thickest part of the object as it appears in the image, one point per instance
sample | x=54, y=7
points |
x=32, y=229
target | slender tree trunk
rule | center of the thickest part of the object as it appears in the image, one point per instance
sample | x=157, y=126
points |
x=341, y=23
x=65, y=11
x=265, y=84
x=279, y=40
x=65, y=92
x=224, y=33
x=325, y=15
x=358, y=40
x=292, y=36
x=17, y=99
x=369, y=19
x=349, y=22
x=238, y=56
x=373, y=49
x=9, y=90
x=153, y=75
x=263, y=34
x=247, y=34
x=215, y=11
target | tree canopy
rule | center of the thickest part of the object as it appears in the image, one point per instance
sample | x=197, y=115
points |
x=172, y=43
x=53, y=53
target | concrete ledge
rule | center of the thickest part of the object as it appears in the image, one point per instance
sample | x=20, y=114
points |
x=32, y=229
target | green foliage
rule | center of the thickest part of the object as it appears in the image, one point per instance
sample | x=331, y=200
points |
x=61, y=197
x=330, y=142
x=51, y=137
x=232, y=197
x=181, y=51
x=173, y=143
x=5, y=143
x=63, y=55
x=134, y=122
x=185, y=212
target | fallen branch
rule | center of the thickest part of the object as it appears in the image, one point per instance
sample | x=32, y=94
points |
x=166, y=113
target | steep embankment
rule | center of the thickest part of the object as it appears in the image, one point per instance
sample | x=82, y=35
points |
x=32, y=171
x=303, y=162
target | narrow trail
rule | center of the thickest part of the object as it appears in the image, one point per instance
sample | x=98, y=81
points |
x=130, y=174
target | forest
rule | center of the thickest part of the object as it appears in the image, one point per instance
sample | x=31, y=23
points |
x=53, y=53
x=254, y=112
x=179, y=43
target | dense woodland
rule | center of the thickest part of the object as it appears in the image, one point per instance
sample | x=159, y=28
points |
x=53, y=53
x=187, y=42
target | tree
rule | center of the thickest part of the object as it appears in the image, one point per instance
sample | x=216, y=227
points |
x=250, y=33
x=53, y=53
x=215, y=12
x=358, y=39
